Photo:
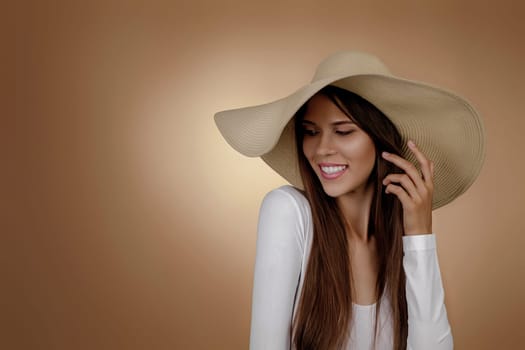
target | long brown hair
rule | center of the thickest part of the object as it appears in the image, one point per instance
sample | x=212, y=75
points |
x=324, y=312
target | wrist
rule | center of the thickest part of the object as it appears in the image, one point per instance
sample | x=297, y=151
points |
x=417, y=233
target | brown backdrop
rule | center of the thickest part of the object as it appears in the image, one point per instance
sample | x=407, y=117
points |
x=131, y=224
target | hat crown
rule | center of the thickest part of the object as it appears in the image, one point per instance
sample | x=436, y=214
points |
x=347, y=63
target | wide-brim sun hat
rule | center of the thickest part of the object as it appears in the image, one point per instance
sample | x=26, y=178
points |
x=444, y=126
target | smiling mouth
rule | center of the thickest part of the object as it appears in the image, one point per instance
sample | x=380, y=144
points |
x=332, y=172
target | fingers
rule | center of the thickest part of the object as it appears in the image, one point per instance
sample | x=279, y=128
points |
x=415, y=191
x=399, y=192
x=426, y=167
x=405, y=180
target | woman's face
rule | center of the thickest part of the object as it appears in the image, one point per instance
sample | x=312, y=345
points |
x=341, y=154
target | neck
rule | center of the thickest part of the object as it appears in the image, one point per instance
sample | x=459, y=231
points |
x=355, y=207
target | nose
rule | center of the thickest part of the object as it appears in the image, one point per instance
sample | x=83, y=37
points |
x=325, y=145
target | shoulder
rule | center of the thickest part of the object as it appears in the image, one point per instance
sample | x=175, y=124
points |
x=287, y=196
x=286, y=209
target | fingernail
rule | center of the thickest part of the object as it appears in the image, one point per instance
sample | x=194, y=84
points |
x=386, y=154
x=411, y=143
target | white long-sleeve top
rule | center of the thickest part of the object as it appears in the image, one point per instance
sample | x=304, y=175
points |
x=284, y=238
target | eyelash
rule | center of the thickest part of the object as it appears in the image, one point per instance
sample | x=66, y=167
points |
x=342, y=133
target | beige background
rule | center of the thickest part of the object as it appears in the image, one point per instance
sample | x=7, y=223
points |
x=131, y=224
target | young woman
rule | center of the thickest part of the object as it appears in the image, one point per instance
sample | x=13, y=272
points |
x=346, y=255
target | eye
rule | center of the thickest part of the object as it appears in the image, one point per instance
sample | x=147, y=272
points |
x=309, y=132
x=344, y=132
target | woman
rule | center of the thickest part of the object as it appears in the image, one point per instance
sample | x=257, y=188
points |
x=351, y=241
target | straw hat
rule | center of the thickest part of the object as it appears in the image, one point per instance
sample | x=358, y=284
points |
x=446, y=128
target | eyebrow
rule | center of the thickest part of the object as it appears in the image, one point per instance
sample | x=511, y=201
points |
x=334, y=123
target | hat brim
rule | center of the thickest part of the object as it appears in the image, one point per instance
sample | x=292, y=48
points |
x=446, y=128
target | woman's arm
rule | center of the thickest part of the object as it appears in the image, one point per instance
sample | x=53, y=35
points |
x=278, y=259
x=428, y=326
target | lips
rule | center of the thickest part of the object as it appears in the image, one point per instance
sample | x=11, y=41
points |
x=334, y=175
x=330, y=164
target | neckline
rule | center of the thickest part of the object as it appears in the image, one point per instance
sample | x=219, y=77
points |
x=364, y=307
x=369, y=306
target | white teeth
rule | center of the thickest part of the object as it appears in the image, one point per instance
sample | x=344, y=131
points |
x=333, y=169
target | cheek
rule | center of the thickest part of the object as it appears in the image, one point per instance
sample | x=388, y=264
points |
x=370, y=154
x=360, y=149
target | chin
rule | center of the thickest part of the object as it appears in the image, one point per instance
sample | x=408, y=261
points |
x=335, y=191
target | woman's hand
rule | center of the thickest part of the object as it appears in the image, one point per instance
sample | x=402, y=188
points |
x=415, y=192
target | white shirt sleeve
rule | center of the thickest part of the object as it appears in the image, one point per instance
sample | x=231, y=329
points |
x=428, y=326
x=279, y=252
